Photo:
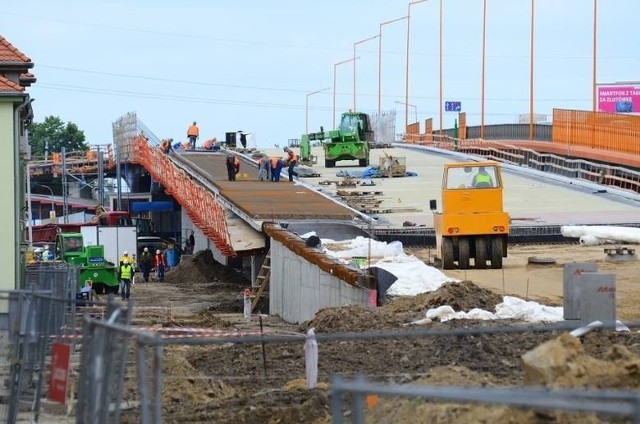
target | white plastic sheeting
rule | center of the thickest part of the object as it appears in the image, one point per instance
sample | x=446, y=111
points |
x=415, y=277
x=510, y=308
x=592, y=235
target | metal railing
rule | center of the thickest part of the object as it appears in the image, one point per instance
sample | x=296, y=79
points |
x=614, y=402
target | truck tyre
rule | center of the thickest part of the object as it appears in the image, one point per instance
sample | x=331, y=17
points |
x=447, y=253
x=463, y=253
x=481, y=252
x=496, y=252
x=328, y=163
x=363, y=162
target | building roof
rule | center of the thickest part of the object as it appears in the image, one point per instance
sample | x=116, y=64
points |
x=8, y=86
x=8, y=53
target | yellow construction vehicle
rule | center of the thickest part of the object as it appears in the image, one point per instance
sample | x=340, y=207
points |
x=472, y=223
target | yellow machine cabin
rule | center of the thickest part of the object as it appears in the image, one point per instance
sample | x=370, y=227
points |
x=472, y=224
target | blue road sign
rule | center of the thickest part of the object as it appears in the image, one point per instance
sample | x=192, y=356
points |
x=453, y=106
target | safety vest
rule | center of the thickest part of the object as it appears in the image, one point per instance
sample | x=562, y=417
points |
x=481, y=178
x=293, y=158
x=274, y=162
x=126, y=271
x=193, y=131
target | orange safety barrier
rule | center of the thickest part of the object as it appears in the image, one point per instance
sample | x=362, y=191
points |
x=199, y=203
x=597, y=130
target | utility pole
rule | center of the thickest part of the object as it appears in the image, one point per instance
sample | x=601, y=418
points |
x=65, y=186
x=100, y=176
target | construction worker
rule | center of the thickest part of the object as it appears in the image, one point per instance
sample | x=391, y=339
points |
x=146, y=263
x=233, y=166
x=263, y=168
x=126, y=277
x=276, y=168
x=125, y=258
x=165, y=146
x=193, y=133
x=482, y=179
x=160, y=264
x=291, y=160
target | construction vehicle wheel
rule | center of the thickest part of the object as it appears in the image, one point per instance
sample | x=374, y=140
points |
x=328, y=163
x=496, y=253
x=481, y=253
x=463, y=253
x=363, y=162
x=447, y=253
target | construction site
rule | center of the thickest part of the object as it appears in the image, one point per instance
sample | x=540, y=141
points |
x=261, y=325
x=471, y=274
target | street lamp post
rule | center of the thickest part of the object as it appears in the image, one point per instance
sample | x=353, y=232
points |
x=306, y=109
x=595, y=45
x=415, y=109
x=354, y=66
x=50, y=191
x=484, y=51
x=533, y=9
x=406, y=79
x=335, y=66
x=380, y=59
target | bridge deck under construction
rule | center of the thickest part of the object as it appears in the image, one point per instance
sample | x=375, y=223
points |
x=264, y=200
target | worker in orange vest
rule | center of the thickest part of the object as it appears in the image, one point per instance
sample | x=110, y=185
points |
x=291, y=160
x=233, y=166
x=276, y=168
x=193, y=132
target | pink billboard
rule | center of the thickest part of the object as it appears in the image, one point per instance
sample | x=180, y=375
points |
x=622, y=98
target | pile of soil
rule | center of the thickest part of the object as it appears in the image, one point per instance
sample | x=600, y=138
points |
x=202, y=269
x=462, y=296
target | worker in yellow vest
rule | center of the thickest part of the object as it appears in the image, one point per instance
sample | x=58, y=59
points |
x=126, y=277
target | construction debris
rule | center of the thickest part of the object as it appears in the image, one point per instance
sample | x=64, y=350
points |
x=393, y=166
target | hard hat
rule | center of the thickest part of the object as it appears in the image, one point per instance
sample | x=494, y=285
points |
x=146, y=249
x=125, y=253
x=158, y=251
x=286, y=149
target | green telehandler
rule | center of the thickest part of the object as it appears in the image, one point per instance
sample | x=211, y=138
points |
x=91, y=261
x=351, y=141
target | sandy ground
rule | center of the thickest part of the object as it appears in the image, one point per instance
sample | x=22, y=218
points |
x=238, y=383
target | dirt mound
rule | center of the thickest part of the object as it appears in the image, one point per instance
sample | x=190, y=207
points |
x=462, y=296
x=202, y=269
x=351, y=318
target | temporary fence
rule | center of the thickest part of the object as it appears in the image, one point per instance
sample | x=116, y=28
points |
x=106, y=356
x=103, y=366
x=614, y=402
x=201, y=205
x=37, y=316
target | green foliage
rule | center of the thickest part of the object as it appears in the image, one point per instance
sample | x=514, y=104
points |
x=58, y=134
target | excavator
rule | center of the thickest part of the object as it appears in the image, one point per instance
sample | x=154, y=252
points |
x=350, y=141
x=472, y=224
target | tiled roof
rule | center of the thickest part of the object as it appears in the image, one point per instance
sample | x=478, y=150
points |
x=8, y=53
x=27, y=79
x=8, y=86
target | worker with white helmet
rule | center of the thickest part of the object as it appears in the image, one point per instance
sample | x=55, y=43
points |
x=160, y=264
x=125, y=258
x=146, y=263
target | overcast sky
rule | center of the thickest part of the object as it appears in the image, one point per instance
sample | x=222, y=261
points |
x=250, y=64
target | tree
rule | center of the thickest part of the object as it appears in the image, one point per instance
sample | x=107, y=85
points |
x=57, y=134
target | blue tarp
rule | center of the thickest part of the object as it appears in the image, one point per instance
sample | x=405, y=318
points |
x=159, y=206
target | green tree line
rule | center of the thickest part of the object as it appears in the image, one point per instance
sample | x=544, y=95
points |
x=57, y=134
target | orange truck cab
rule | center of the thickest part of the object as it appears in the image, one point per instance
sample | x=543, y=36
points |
x=472, y=223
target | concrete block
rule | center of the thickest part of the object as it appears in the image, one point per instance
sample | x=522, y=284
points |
x=571, y=288
x=597, y=298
